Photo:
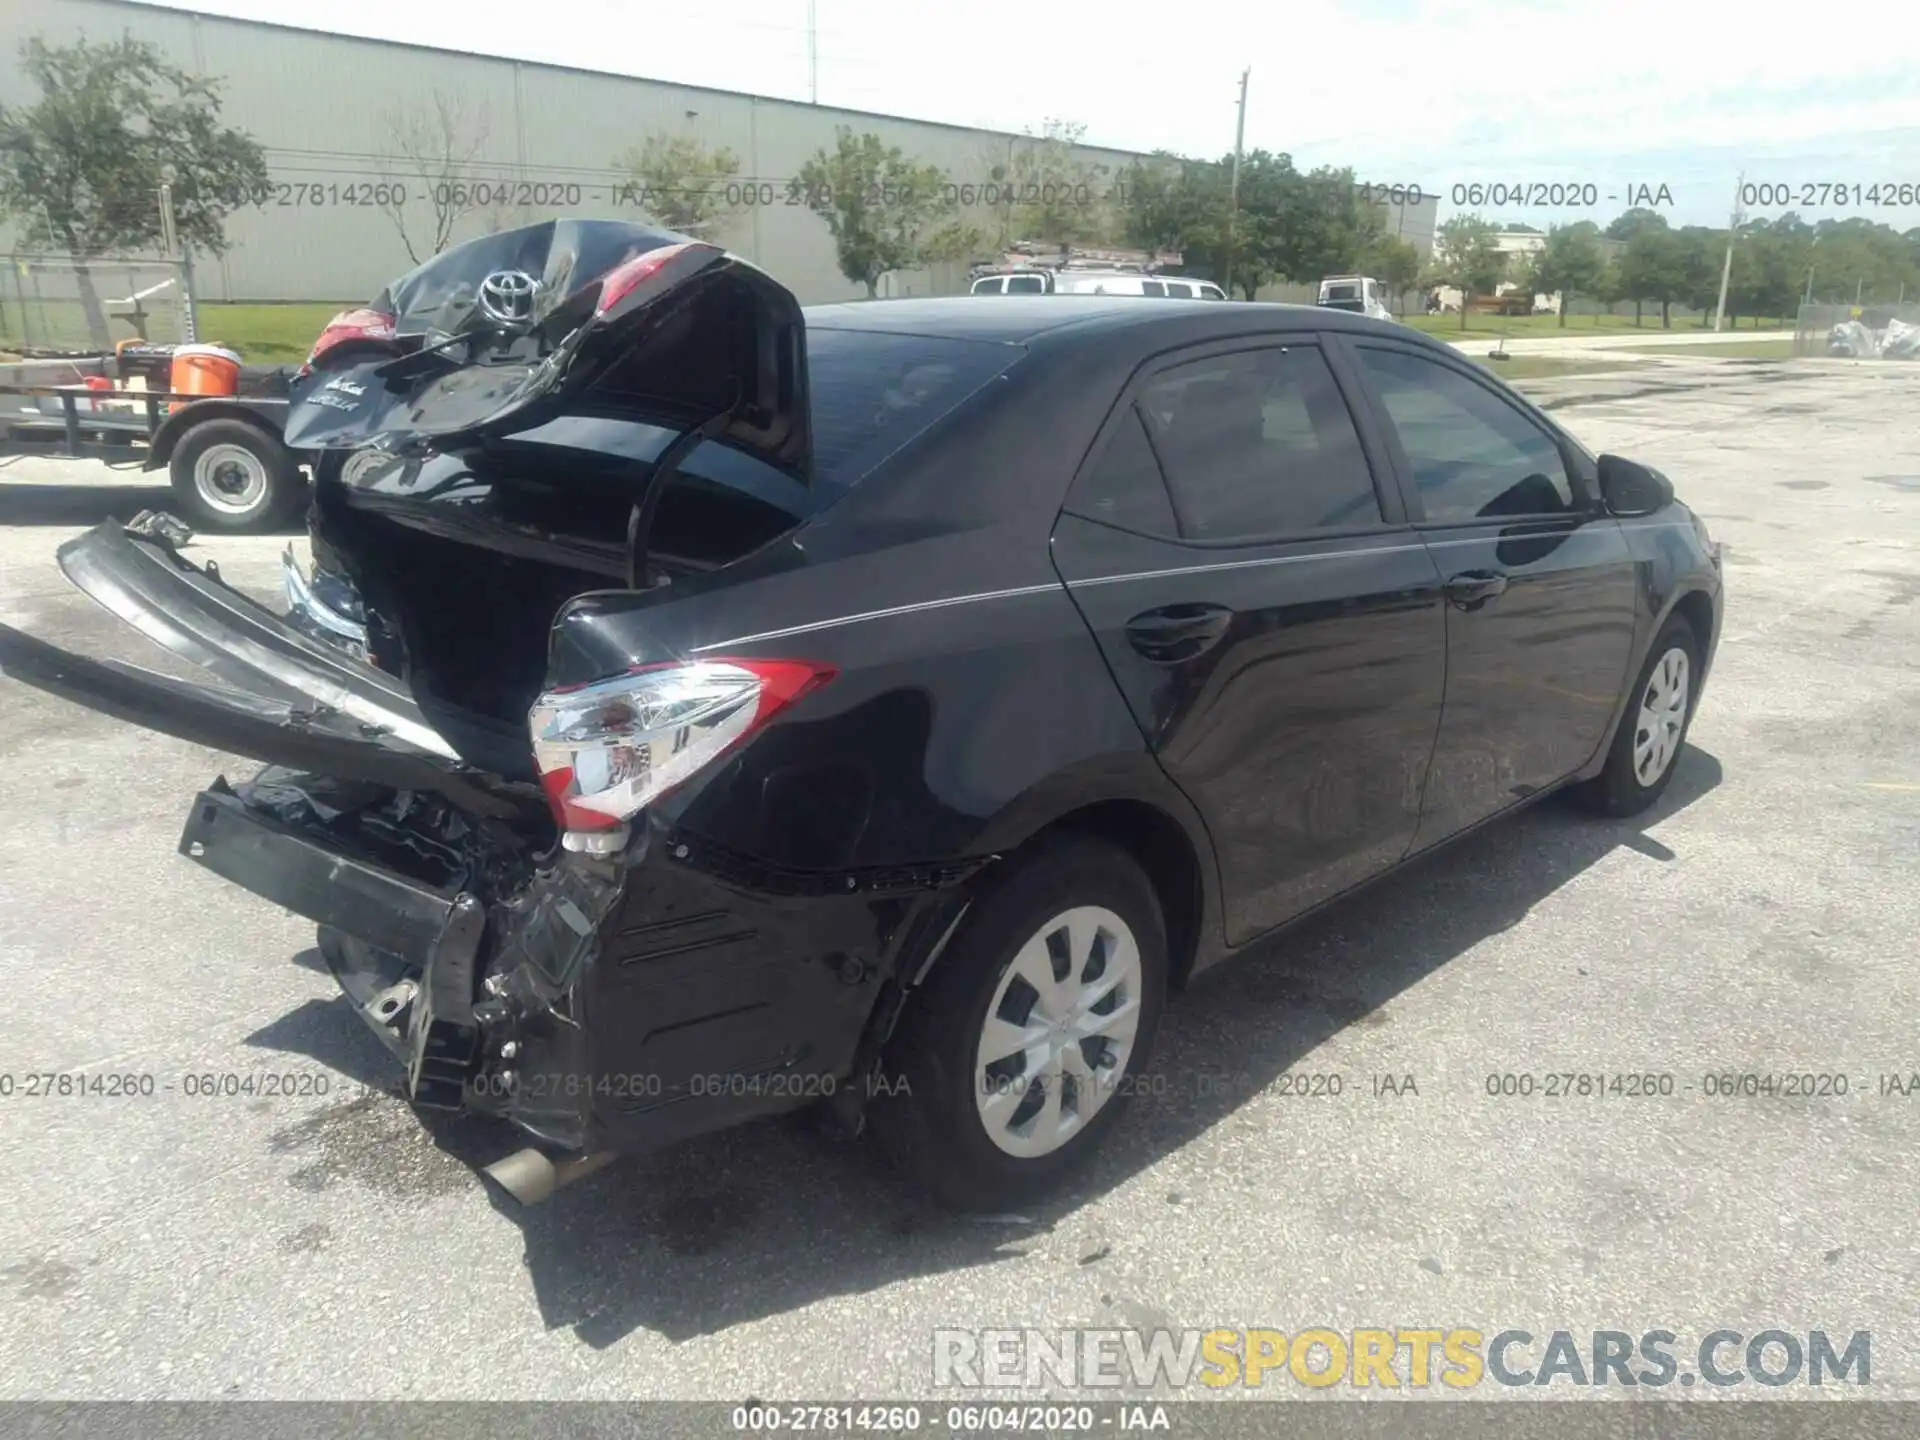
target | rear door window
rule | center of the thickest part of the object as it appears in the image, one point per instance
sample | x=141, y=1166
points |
x=1154, y=288
x=1124, y=486
x=1026, y=285
x=991, y=285
x=1259, y=443
x=1179, y=291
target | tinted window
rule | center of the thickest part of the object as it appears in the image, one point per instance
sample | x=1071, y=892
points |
x=1178, y=291
x=1124, y=486
x=873, y=392
x=992, y=285
x=1153, y=287
x=1471, y=453
x=1026, y=285
x=1259, y=443
x=1212, y=292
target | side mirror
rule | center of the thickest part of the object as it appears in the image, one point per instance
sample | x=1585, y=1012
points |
x=1630, y=488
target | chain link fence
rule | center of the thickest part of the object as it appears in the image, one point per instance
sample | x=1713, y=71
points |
x=54, y=305
x=1816, y=322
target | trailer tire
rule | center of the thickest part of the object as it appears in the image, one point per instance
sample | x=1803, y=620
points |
x=236, y=478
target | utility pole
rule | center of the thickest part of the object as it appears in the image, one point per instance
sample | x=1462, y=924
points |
x=1233, y=185
x=813, y=52
x=1726, y=267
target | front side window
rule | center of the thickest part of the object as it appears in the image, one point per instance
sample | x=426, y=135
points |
x=1472, y=455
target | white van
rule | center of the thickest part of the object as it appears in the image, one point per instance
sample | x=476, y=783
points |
x=1360, y=294
x=1096, y=282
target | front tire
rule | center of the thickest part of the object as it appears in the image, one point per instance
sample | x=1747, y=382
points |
x=234, y=478
x=1653, y=731
x=1014, y=1060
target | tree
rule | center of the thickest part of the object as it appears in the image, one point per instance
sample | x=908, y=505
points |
x=437, y=140
x=1324, y=226
x=80, y=170
x=1570, y=263
x=1611, y=287
x=680, y=183
x=1172, y=203
x=1395, y=263
x=1653, y=268
x=884, y=211
x=1056, y=194
x=1469, y=259
x=1630, y=223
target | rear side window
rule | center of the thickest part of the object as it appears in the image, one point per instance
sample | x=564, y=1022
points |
x=1124, y=486
x=1026, y=285
x=1259, y=443
x=874, y=392
x=1153, y=287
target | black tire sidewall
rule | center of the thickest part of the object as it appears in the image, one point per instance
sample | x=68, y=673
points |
x=935, y=1128
x=285, y=485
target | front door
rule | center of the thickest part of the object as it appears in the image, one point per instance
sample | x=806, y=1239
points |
x=1272, y=620
x=1539, y=583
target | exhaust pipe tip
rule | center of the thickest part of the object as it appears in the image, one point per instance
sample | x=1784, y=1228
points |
x=531, y=1178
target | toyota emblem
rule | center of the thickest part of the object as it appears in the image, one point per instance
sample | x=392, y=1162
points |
x=507, y=296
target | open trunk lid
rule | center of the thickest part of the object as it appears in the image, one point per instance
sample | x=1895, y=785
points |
x=507, y=331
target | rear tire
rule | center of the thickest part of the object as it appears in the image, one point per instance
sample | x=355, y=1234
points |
x=1653, y=731
x=997, y=1088
x=234, y=478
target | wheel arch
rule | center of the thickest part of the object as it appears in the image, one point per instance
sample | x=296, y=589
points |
x=1692, y=603
x=182, y=422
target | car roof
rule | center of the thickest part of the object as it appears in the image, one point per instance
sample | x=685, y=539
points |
x=1031, y=319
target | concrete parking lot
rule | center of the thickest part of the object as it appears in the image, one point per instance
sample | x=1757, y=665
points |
x=1764, y=919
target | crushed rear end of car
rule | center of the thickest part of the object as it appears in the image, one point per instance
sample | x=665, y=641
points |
x=461, y=761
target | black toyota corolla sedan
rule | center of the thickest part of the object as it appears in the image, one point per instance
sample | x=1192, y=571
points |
x=700, y=708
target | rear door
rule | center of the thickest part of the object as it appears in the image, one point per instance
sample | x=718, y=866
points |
x=1269, y=615
x=1539, y=581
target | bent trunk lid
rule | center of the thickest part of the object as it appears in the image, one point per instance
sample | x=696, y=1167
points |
x=509, y=330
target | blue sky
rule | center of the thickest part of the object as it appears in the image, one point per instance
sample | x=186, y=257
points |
x=1681, y=93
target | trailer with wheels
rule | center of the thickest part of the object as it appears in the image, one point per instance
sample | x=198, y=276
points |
x=230, y=470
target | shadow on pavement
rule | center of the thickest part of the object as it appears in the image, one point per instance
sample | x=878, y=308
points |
x=763, y=1219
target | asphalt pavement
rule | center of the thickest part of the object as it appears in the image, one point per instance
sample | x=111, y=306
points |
x=205, y=1242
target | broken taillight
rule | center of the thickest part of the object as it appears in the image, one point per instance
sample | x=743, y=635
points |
x=624, y=278
x=608, y=749
x=366, y=324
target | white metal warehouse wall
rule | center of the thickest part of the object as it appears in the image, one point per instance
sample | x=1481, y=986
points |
x=316, y=101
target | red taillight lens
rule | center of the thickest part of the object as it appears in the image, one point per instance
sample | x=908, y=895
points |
x=607, y=750
x=622, y=280
x=351, y=325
